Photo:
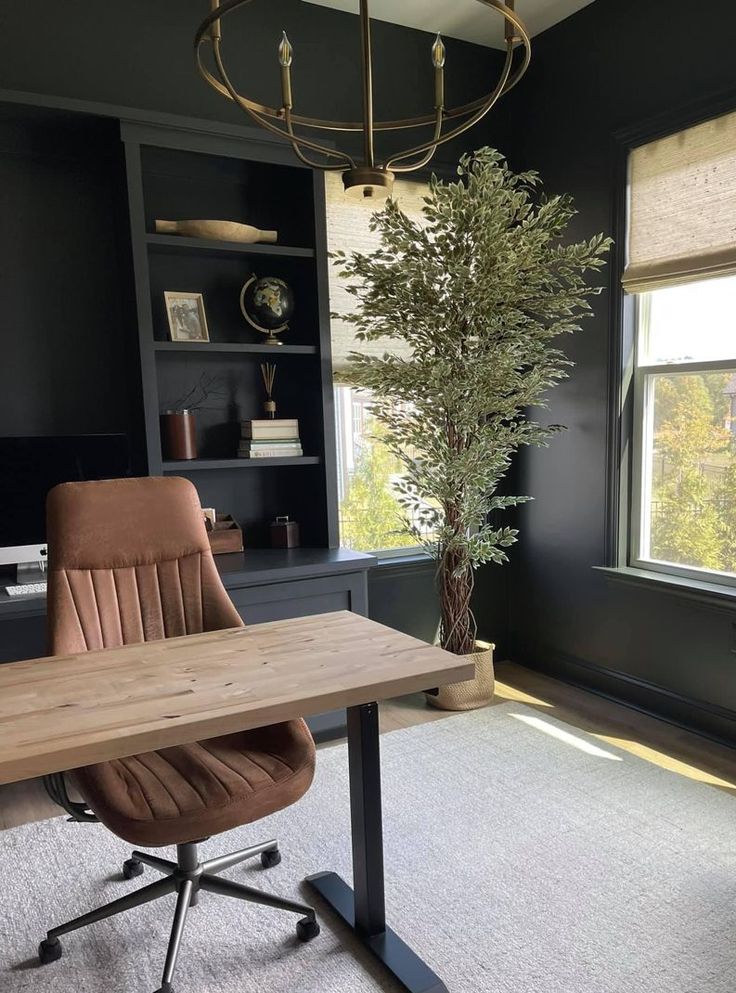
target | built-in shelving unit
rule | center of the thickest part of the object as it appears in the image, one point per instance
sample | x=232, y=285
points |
x=181, y=175
x=71, y=183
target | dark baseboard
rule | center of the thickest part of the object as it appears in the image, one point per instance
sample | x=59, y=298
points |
x=706, y=719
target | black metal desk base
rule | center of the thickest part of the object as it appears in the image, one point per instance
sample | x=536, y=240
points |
x=403, y=964
x=363, y=909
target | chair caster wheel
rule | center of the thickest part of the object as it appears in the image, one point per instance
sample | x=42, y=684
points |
x=132, y=868
x=166, y=988
x=306, y=929
x=270, y=859
x=49, y=950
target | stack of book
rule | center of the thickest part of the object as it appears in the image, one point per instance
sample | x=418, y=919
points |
x=269, y=439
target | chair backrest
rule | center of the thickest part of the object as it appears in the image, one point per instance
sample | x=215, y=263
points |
x=130, y=561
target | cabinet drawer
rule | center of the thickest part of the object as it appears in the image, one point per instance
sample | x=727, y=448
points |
x=278, y=601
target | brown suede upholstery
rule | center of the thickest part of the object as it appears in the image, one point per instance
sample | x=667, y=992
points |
x=130, y=561
x=194, y=791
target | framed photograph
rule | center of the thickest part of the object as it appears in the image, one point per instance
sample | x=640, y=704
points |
x=187, y=321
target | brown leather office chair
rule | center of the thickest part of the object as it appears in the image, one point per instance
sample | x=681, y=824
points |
x=130, y=562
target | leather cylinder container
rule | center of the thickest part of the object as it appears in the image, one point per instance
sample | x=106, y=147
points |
x=178, y=434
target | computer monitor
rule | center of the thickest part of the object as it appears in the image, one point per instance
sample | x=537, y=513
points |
x=29, y=468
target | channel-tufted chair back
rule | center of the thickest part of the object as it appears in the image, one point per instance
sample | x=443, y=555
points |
x=130, y=561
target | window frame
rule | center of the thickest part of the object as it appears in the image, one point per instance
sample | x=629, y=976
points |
x=618, y=554
x=644, y=375
x=409, y=553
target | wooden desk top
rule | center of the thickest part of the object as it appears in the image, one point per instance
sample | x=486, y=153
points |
x=69, y=711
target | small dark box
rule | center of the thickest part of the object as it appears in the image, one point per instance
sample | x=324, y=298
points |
x=284, y=533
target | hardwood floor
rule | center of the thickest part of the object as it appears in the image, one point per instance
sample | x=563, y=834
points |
x=682, y=752
x=663, y=744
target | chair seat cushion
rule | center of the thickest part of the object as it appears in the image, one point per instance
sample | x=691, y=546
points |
x=189, y=792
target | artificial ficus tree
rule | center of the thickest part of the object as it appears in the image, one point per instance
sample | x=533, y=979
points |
x=480, y=289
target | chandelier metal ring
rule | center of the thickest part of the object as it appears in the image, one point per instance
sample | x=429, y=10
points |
x=281, y=121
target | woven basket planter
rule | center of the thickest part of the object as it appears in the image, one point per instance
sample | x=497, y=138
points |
x=471, y=693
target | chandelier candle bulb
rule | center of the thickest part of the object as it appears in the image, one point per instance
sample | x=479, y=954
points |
x=286, y=53
x=438, y=61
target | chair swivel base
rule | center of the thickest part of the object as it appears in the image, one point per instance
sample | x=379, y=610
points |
x=186, y=877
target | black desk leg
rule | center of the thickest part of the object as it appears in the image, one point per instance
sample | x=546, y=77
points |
x=363, y=909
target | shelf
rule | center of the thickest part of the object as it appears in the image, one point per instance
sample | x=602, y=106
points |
x=196, y=465
x=179, y=243
x=245, y=348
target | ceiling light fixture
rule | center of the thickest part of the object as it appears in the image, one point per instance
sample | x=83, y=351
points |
x=371, y=178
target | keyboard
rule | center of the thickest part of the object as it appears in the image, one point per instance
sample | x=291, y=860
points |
x=28, y=590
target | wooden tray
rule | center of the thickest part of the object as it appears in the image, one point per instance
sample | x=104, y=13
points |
x=226, y=536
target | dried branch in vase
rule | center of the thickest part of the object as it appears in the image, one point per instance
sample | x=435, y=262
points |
x=207, y=388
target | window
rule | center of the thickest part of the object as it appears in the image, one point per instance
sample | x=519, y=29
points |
x=684, y=513
x=681, y=269
x=369, y=513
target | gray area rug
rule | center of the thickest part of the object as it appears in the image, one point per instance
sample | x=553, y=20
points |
x=515, y=862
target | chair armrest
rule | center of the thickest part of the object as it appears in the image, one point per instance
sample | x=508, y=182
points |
x=56, y=788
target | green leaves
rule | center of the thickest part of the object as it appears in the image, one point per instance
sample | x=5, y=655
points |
x=480, y=290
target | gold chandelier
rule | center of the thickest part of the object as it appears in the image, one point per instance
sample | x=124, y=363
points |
x=372, y=177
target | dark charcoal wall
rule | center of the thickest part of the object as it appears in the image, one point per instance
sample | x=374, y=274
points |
x=613, y=65
x=69, y=363
x=138, y=53
x=404, y=597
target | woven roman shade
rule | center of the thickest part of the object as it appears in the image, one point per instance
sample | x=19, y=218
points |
x=348, y=231
x=682, y=207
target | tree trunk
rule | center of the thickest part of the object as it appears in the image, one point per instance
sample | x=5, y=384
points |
x=457, y=624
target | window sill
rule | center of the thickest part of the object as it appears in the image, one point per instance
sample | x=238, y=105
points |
x=714, y=595
x=412, y=560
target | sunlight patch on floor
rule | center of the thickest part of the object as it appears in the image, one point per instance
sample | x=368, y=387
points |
x=666, y=761
x=511, y=694
x=582, y=744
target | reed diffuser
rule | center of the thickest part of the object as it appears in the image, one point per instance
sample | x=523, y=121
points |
x=268, y=371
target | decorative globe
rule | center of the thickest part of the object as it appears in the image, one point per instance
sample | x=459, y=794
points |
x=268, y=303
